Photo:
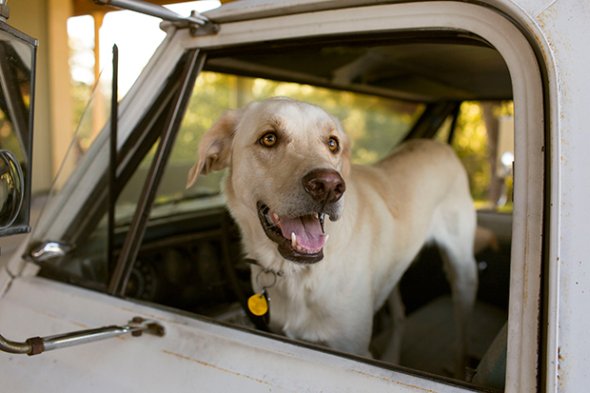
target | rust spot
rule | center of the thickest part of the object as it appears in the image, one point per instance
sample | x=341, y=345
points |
x=560, y=358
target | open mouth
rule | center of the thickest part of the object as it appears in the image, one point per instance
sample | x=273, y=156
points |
x=299, y=239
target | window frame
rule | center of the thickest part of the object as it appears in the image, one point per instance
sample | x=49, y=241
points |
x=524, y=352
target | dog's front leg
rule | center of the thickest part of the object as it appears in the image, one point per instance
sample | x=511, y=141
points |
x=352, y=332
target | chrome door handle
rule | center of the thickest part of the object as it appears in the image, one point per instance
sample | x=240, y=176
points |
x=36, y=345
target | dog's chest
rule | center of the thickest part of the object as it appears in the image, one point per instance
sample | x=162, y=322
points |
x=300, y=312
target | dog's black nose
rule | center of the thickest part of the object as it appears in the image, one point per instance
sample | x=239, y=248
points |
x=324, y=185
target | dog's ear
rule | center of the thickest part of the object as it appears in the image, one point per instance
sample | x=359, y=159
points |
x=215, y=147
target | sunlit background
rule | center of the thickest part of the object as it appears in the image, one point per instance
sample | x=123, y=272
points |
x=136, y=35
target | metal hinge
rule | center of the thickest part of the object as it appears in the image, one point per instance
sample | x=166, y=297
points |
x=36, y=345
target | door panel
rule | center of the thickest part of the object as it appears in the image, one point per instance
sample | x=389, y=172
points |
x=193, y=354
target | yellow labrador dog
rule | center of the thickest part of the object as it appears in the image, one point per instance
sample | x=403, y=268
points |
x=338, y=236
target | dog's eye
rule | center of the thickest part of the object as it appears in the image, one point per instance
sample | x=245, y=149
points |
x=268, y=140
x=333, y=144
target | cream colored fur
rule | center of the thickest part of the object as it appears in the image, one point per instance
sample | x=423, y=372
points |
x=388, y=212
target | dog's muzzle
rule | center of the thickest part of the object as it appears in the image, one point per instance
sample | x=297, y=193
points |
x=301, y=237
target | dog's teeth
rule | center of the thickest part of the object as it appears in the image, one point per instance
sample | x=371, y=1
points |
x=326, y=239
x=293, y=240
x=321, y=217
x=275, y=217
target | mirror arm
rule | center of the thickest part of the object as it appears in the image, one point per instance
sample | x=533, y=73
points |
x=156, y=10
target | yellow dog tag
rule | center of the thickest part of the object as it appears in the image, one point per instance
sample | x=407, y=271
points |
x=257, y=304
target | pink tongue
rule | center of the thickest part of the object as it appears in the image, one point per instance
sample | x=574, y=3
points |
x=307, y=229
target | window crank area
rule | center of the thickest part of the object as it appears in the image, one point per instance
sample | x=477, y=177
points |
x=37, y=345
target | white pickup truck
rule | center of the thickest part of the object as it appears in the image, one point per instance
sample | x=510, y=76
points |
x=123, y=249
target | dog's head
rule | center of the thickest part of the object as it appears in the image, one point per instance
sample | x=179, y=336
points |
x=288, y=162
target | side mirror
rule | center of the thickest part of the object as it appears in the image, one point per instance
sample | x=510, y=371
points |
x=12, y=189
x=17, y=80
